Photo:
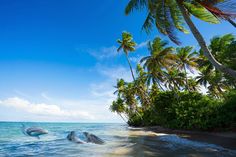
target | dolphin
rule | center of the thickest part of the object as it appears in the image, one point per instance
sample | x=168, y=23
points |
x=72, y=137
x=33, y=131
x=92, y=138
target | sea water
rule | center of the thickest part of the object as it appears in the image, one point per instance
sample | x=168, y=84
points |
x=120, y=141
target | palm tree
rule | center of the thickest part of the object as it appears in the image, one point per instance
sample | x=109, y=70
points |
x=204, y=77
x=174, y=79
x=128, y=45
x=216, y=85
x=126, y=92
x=141, y=87
x=161, y=57
x=193, y=85
x=171, y=15
x=118, y=107
x=220, y=8
x=186, y=60
x=224, y=49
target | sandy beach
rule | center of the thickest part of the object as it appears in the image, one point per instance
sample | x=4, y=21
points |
x=224, y=139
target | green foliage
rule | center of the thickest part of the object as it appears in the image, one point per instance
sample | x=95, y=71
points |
x=162, y=93
x=190, y=110
x=200, y=12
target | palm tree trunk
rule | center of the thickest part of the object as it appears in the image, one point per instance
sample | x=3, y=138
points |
x=231, y=22
x=126, y=54
x=186, y=78
x=160, y=86
x=122, y=117
x=202, y=43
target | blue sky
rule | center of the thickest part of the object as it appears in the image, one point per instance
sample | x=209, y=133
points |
x=58, y=59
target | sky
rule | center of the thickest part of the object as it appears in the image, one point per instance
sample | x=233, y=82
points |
x=58, y=58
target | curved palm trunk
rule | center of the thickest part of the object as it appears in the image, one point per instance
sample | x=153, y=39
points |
x=202, y=43
x=186, y=78
x=122, y=117
x=232, y=22
x=126, y=54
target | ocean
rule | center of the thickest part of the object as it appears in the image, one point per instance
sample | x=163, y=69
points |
x=120, y=141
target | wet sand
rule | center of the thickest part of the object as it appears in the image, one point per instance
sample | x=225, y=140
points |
x=160, y=142
x=224, y=139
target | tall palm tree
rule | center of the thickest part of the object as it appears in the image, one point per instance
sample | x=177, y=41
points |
x=224, y=49
x=193, y=85
x=126, y=91
x=216, y=85
x=186, y=60
x=204, y=77
x=161, y=57
x=128, y=45
x=171, y=15
x=221, y=9
x=174, y=79
x=141, y=87
x=118, y=107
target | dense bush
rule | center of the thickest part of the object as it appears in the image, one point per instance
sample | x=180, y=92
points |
x=189, y=110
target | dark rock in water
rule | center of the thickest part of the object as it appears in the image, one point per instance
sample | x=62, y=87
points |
x=72, y=137
x=92, y=138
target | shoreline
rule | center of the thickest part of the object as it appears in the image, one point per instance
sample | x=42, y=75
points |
x=223, y=139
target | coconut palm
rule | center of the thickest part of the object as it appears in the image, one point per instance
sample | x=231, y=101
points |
x=174, y=79
x=224, y=49
x=128, y=45
x=186, y=60
x=221, y=9
x=171, y=15
x=193, y=85
x=118, y=107
x=126, y=91
x=161, y=57
x=216, y=85
x=141, y=87
x=204, y=77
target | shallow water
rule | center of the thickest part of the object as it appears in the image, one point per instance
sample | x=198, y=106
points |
x=121, y=141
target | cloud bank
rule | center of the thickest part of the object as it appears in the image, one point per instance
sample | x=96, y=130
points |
x=43, y=109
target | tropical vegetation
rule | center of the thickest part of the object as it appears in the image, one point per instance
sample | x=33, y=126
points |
x=169, y=16
x=178, y=87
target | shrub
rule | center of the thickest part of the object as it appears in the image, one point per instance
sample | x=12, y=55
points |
x=189, y=110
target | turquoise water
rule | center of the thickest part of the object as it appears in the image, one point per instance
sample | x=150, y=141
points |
x=121, y=141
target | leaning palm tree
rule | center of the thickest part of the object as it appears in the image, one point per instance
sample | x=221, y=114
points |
x=223, y=9
x=141, y=87
x=118, y=107
x=161, y=57
x=186, y=60
x=171, y=15
x=128, y=45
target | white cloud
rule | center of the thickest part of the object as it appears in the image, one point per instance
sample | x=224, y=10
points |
x=109, y=52
x=115, y=72
x=136, y=59
x=103, y=52
x=45, y=96
x=43, y=109
x=141, y=45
